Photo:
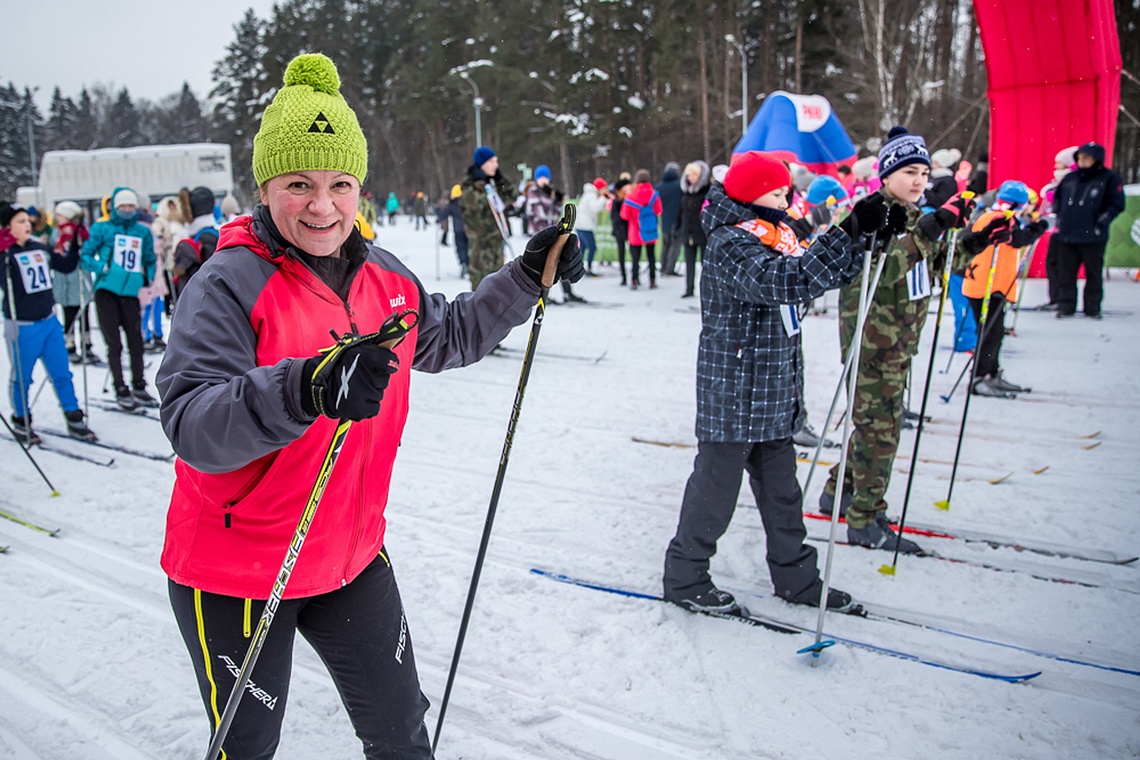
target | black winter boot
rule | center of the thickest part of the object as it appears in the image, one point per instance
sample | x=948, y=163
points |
x=77, y=428
x=22, y=426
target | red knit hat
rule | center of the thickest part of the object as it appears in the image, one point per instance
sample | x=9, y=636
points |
x=600, y=183
x=753, y=174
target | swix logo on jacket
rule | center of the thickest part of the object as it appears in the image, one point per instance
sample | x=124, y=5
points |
x=227, y=531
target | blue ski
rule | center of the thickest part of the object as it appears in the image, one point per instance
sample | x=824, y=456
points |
x=763, y=620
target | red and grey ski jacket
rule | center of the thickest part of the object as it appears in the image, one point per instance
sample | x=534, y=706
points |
x=247, y=453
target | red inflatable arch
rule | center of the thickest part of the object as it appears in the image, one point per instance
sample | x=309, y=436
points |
x=1053, y=68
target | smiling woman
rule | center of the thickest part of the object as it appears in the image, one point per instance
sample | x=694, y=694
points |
x=252, y=395
x=314, y=210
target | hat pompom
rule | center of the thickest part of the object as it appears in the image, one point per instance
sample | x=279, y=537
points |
x=315, y=70
x=895, y=132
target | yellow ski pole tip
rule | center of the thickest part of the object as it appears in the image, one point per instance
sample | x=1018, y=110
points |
x=942, y=504
x=887, y=569
x=54, y=494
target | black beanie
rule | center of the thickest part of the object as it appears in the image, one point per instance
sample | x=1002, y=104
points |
x=7, y=212
x=201, y=201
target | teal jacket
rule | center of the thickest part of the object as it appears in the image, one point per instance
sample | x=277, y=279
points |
x=124, y=269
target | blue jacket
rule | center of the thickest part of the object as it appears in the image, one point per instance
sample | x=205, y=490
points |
x=120, y=274
x=1087, y=200
x=746, y=361
x=37, y=305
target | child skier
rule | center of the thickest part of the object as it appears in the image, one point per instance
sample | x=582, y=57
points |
x=999, y=235
x=30, y=328
x=755, y=274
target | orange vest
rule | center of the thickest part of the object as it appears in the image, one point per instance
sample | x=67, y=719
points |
x=978, y=270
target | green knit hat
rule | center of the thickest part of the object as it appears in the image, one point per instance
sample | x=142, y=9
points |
x=309, y=126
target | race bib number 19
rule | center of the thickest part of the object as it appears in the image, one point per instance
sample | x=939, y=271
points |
x=34, y=271
x=127, y=252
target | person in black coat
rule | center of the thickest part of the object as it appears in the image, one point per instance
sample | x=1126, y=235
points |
x=619, y=226
x=1086, y=202
x=669, y=190
x=694, y=189
x=942, y=186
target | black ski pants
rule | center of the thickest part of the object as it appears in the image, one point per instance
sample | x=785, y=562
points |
x=115, y=313
x=691, y=254
x=987, y=353
x=1053, y=269
x=621, y=256
x=1070, y=256
x=70, y=314
x=708, y=505
x=359, y=632
x=635, y=262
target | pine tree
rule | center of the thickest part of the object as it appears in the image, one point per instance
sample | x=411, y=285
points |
x=241, y=91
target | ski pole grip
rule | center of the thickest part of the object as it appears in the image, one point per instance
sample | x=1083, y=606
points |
x=565, y=227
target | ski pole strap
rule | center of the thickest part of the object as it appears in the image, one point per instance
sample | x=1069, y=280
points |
x=565, y=227
x=394, y=329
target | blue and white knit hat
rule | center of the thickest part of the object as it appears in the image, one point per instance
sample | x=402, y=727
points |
x=901, y=149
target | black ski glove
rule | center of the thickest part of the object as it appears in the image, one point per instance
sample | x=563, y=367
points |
x=866, y=217
x=569, y=263
x=896, y=224
x=348, y=382
x=954, y=213
x=802, y=228
x=1023, y=236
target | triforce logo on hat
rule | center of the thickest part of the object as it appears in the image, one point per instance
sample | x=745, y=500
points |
x=321, y=124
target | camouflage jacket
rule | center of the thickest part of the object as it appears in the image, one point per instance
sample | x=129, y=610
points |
x=477, y=216
x=893, y=320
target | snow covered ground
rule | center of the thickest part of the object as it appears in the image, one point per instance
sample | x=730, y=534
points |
x=92, y=666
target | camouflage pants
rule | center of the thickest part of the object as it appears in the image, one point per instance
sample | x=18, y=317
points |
x=876, y=425
x=889, y=342
x=484, y=257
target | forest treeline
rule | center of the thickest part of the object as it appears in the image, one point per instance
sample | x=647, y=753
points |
x=588, y=87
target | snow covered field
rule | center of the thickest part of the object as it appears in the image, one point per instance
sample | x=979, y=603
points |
x=92, y=666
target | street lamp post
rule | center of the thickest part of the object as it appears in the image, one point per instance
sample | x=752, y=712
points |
x=478, y=103
x=743, y=83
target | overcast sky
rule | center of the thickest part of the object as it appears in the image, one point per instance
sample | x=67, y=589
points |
x=150, y=48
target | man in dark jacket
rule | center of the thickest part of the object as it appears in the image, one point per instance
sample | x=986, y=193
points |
x=1086, y=202
x=669, y=190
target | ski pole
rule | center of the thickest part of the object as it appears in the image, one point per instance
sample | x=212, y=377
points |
x=958, y=329
x=1023, y=277
x=890, y=569
x=28, y=454
x=982, y=328
x=390, y=334
x=565, y=226
x=982, y=333
x=82, y=335
x=839, y=387
x=865, y=296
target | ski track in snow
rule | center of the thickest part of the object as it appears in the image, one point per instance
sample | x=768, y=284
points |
x=94, y=666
